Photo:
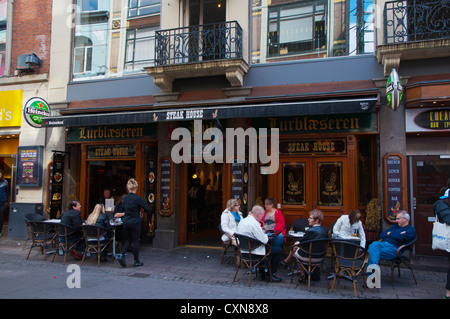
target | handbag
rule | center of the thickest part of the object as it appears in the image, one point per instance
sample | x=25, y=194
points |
x=441, y=236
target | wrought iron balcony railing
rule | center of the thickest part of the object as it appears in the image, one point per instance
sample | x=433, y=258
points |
x=416, y=20
x=217, y=41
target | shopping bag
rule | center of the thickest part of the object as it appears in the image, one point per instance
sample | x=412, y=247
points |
x=441, y=236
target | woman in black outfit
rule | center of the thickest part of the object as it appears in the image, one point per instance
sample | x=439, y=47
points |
x=131, y=218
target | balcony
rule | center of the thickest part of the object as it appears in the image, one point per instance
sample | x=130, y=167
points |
x=198, y=51
x=414, y=29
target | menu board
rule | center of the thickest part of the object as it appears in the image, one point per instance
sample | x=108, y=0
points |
x=56, y=185
x=394, y=190
x=29, y=165
x=151, y=161
x=239, y=183
x=165, y=189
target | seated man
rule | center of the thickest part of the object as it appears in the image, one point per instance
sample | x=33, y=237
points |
x=394, y=237
x=251, y=227
x=72, y=218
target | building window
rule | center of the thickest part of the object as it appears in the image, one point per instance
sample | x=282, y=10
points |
x=3, y=19
x=82, y=55
x=89, y=5
x=140, y=49
x=297, y=28
x=143, y=7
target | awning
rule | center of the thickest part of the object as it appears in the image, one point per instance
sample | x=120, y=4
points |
x=278, y=109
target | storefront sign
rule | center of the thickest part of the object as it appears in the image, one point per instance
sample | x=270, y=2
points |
x=394, y=186
x=29, y=165
x=35, y=110
x=314, y=146
x=165, y=188
x=111, y=152
x=11, y=108
x=333, y=123
x=108, y=133
x=427, y=120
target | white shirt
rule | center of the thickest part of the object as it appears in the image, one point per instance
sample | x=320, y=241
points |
x=228, y=223
x=250, y=227
x=343, y=228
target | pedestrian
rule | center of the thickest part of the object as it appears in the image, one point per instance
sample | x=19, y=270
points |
x=131, y=218
x=441, y=210
x=4, y=198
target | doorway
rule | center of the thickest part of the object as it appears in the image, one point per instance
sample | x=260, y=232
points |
x=308, y=183
x=112, y=175
x=430, y=178
x=204, y=204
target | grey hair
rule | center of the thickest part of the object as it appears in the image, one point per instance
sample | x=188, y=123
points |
x=406, y=215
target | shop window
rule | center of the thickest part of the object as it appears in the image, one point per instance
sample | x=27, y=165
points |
x=329, y=185
x=293, y=175
x=143, y=7
x=140, y=49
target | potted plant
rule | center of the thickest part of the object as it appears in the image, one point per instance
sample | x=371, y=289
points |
x=373, y=221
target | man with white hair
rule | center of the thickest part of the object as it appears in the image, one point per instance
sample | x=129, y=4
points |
x=251, y=227
x=394, y=237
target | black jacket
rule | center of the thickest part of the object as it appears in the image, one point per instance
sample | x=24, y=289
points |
x=132, y=205
x=442, y=211
x=72, y=218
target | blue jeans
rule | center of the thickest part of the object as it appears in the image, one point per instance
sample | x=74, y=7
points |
x=381, y=250
x=276, y=245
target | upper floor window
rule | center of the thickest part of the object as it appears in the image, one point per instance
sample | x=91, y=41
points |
x=143, y=7
x=140, y=49
x=82, y=55
x=89, y=5
x=293, y=29
x=3, y=19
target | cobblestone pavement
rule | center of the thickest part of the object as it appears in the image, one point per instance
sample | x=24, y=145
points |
x=184, y=273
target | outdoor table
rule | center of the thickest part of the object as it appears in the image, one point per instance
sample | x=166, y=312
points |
x=116, y=222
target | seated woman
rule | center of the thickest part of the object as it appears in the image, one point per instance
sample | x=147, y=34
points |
x=273, y=222
x=98, y=217
x=350, y=225
x=229, y=220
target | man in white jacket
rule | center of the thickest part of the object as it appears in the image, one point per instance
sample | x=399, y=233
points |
x=251, y=227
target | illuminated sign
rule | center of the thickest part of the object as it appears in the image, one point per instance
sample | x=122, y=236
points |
x=11, y=108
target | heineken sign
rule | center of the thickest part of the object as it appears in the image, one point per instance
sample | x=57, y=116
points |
x=34, y=110
x=394, y=90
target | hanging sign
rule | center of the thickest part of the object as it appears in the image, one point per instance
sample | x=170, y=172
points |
x=34, y=110
x=394, y=90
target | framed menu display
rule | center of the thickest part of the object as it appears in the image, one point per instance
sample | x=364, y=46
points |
x=394, y=186
x=29, y=165
x=165, y=192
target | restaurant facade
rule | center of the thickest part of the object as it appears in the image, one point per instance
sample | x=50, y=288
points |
x=339, y=142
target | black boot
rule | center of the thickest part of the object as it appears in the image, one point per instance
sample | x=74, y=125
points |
x=137, y=263
x=122, y=261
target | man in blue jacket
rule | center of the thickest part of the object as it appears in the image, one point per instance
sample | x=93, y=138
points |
x=394, y=237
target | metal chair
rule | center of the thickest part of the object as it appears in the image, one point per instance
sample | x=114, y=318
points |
x=227, y=245
x=350, y=261
x=42, y=235
x=97, y=241
x=312, y=253
x=31, y=218
x=402, y=258
x=248, y=259
x=68, y=239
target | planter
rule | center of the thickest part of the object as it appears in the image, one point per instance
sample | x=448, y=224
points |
x=371, y=235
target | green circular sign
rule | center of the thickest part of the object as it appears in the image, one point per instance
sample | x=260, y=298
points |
x=34, y=110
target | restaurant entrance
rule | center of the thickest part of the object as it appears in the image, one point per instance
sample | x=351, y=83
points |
x=112, y=175
x=204, y=203
x=430, y=179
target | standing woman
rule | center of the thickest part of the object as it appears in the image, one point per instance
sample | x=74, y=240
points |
x=349, y=225
x=4, y=198
x=131, y=218
x=442, y=211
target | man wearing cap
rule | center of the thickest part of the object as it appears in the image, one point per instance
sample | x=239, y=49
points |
x=441, y=209
x=392, y=238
